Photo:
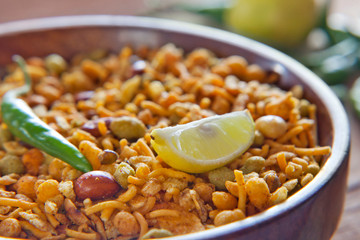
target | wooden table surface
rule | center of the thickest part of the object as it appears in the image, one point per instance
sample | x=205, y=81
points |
x=10, y=10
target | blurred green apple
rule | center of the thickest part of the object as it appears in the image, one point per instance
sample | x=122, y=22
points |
x=281, y=23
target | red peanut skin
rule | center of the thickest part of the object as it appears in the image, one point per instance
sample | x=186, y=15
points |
x=96, y=185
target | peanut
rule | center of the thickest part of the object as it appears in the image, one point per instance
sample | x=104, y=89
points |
x=96, y=185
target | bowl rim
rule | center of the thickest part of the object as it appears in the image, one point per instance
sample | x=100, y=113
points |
x=339, y=120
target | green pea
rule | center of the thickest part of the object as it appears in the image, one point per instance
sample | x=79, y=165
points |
x=127, y=127
x=313, y=168
x=122, y=172
x=5, y=136
x=219, y=176
x=11, y=164
x=253, y=164
x=55, y=63
x=304, y=107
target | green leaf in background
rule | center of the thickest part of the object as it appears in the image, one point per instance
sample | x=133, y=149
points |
x=346, y=47
x=216, y=13
x=355, y=96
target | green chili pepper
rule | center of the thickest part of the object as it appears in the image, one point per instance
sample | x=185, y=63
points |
x=25, y=125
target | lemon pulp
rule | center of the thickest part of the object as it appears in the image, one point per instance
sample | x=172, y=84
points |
x=205, y=144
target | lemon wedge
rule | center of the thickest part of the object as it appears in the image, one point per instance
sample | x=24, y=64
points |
x=280, y=23
x=205, y=144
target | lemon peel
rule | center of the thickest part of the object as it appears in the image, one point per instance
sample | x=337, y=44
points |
x=205, y=144
x=280, y=23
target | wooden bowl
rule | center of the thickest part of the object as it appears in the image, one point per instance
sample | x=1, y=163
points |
x=311, y=213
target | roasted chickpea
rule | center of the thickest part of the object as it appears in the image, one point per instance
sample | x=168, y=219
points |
x=271, y=126
x=126, y=223
x=10, y=227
